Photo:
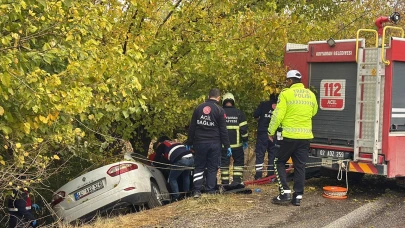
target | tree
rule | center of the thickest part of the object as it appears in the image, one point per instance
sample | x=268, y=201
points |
x=77, y=76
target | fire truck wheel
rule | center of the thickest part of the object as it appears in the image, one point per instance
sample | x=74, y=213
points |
x=400, y=182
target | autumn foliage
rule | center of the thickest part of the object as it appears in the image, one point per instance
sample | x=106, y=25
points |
x=77, y=76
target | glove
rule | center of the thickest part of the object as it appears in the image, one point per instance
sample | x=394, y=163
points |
x=188, y=147
x=35, y=206
x=34, y=223
x=229, y=152
x=245, y=145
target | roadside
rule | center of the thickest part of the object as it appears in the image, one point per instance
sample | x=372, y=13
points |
x=256, y=210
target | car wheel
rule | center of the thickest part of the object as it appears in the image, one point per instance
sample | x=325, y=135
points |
x=155, y=197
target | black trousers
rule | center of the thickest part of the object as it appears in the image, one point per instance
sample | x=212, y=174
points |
x=206, y=159
x=238, y=156
x=18, y=221
x=263, y=145
x=298, y=150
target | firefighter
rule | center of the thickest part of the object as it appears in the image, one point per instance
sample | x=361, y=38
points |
x=19, y=207
x=263, y=115
x=238, y=137
x=296, y=106
x=207, y=133
x=181, y=159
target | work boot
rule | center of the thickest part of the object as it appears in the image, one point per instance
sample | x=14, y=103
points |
x=296, y=201
x=197, y=195
x=237, y=185
x=282, y=199
x=174, y=199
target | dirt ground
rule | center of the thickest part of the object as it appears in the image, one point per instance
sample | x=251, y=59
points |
x=256, y=209
x=315, y=211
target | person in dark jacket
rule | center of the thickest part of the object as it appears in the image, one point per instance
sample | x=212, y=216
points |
x=238, y=137
x=181, y=161
x=19, y=207
x=207, y=133
x=160, y=162
x=263, y=115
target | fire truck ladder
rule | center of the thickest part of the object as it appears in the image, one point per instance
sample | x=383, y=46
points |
x=370, y=73
x=368, y=95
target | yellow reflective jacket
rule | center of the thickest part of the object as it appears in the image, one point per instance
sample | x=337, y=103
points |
x=295, y=109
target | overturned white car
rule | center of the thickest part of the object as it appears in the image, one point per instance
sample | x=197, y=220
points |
x=124, y=184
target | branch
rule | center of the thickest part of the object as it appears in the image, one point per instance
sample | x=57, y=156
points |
x=167, y=17
x=124, y=47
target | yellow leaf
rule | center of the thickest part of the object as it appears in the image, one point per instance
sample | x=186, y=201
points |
x=18, y=145
x=5, y=147
x=56, y=157
x=43, y=119
x=69, y=37
x=40, y=140
x=26, y=154
x=27, y=128
x=10, y=183
x=30, y=12
x=2, y=162
x=1, y=111
x=143, y=97
x=23, y=5
x=91, y=117
x=124, y=94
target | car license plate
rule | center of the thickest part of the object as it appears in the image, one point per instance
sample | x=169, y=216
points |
x=89, y=190
x=330, y=154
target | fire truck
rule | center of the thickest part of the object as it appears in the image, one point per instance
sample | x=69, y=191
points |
x=360, y=87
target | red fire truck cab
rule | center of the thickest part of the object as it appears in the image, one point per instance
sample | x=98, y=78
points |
x=361, y=95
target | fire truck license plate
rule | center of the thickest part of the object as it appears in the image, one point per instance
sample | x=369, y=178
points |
x=330, y=154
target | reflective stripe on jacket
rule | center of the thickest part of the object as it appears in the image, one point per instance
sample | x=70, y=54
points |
x=237, y=126
x=16, y=209
x=295, y=109
x=171, y=151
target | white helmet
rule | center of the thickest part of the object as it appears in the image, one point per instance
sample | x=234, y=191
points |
x=228, y=97
x=294, y=74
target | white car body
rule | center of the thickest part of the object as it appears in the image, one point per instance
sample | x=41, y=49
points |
x=121, y=184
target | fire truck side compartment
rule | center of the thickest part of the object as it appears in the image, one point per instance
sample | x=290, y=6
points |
x=398, y=97
x=337, y=126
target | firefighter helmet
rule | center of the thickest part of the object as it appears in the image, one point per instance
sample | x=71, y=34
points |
x=228, y=97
